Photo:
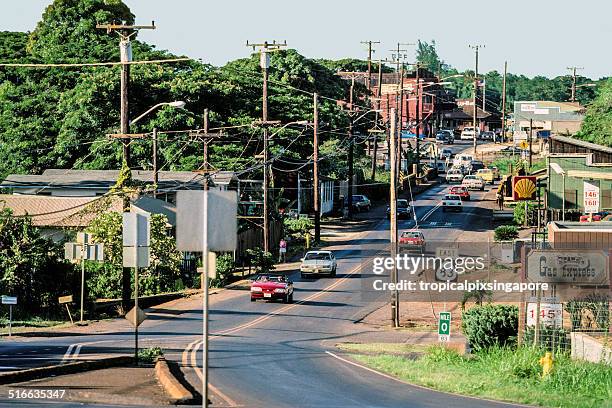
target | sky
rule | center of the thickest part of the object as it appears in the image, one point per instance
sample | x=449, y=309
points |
x=536, y=37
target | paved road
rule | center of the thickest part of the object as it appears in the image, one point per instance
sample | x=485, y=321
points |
x=267, y=354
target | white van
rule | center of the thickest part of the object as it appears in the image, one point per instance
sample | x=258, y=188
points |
x=463, y=160
x=468, y=133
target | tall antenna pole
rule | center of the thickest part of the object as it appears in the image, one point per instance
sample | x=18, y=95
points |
x=573, y=69
x=264, y=62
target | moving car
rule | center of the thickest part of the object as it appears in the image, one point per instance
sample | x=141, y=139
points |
x=272, y=286
x=454, y=175
x=317, y=263
x=412, y=240
x=446, y=154
x=452, y=202
x=468, y=133
x=487, y=175
x=463, y=160
x=361, y=202
x=473, y=182
x=461, y=191
x=495, y=171
x=475, y=165
x=403, y=209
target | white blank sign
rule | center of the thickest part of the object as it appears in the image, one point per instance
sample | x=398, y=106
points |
x=221, y=208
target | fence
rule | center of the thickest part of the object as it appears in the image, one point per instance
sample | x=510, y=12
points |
x=549, y=325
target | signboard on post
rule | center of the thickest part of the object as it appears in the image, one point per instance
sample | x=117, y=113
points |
x=136, y=240
x=524, y=188
x=136, y=316
x=9, y=300
x=551, y=314
x=221, y=215
x=578, y=267
x=591, y=197
x=444, y=323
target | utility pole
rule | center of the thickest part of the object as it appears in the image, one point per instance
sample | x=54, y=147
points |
x=378, y=105
x=125, y=32
x=393, y=219
x=475, y=48
x=206, y=157
x=370, y=51
x=155, y=165
x=503, y=135
x=350, y=152
x=264, y=62
x=573, y=69
x=315, y=170
x=418, y=120
x=530, y=143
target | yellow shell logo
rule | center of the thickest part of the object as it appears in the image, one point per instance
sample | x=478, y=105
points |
x=524, y=188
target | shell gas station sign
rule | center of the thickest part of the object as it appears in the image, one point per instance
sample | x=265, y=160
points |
x=524, y=188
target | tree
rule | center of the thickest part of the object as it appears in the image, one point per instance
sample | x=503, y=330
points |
x=427, y=55
x=31, y=266
x=597, y=125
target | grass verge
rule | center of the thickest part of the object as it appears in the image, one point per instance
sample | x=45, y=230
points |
x=391, y=348
x=502, y=374
x=19, y=326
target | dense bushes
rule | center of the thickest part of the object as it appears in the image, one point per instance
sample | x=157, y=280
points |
x=506, y=233
x=490, y=325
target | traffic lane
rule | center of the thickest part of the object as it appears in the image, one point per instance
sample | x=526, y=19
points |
x=19, y=356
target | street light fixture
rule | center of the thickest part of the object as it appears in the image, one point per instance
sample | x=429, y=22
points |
x=174, y=104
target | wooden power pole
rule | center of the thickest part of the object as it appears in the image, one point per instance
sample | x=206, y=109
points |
x=503, y=135
x=351, y=169
x=370, y=51
x=315, y=170
x=126, y=32
x=393, y=217
x=573, y=69
x=264, y=49
x=475, y=48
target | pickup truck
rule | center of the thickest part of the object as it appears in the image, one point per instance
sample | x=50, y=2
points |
x=452, y=202
x=454, y=176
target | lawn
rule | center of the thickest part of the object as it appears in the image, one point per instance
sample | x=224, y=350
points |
x=502, y=374
x=19, y=326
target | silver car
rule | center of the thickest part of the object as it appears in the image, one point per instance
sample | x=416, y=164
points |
x=318, y=263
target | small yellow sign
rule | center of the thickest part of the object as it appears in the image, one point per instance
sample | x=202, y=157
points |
x=524, y=144
x=65, y=299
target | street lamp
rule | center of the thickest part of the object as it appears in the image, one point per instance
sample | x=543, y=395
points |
x=174, y=104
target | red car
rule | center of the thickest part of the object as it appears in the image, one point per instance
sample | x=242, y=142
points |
x=585, y=218
x=412, y=240
x=461, y=191
x=272, y=286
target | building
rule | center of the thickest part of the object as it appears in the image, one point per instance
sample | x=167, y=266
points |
x=568, y=145
x=554, y=117
x=577, y=235
x=463, y=115
x=567, y=175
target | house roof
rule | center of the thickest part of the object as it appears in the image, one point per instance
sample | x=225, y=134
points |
x=104, y=179
x=582, y=143
x=466, y=113
x=66, y=212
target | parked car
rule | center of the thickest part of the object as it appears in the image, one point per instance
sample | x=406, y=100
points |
x=272, y=286
x=445, y=136
x=360, y=203
x=412, y=240
x=596, y=216
x=454, y=175
x=487, y=135
x=318, y=262
x=468, y=133
x=487, y=175
x=452, y=202
x=461, y=191
x=403, y=209
x=473, y=182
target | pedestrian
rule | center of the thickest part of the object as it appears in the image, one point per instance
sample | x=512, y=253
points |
x=282, y=250
x=500, y=200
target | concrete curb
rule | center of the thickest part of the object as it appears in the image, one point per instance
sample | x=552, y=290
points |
x=170, y=383
x=63, y=369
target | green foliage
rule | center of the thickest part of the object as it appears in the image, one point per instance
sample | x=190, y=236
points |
x=490, y=325
x=300, y=225
x=506, y=233
x=556, y=339
x=262, y=261
x=589, y=313
x=149, y=355
x=104, y=279
x=597, y=125
x=428, y=56
x=225, y=269
x=31, y=267
x=519, y=213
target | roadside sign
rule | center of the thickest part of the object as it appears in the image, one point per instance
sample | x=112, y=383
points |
x=9, y=300
x=65, y=299
x=136, y=240
x=523, y=144
x=580, y=266
x=591, y=196
x=551, y=314
x=136, y=316
x=212, y=266
x=524, y=188
x=444, y=323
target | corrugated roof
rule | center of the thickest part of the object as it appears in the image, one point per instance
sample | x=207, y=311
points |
x=582, y=143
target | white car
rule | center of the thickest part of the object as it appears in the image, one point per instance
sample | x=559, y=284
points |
x=317, y=263
x=452, y=202
x=454, y=175
x=463, y=160
x=473, y=182
x=468, y=133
